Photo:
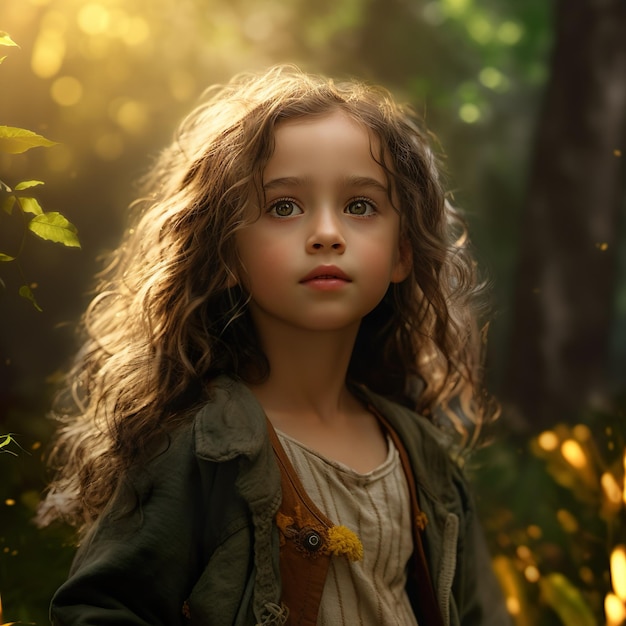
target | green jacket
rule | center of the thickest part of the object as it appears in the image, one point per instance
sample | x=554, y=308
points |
x=191, y=538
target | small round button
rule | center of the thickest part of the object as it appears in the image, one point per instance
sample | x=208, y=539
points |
x=312, y=540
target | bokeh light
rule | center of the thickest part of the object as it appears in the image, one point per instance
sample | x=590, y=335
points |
x=615, y=610
x=480, y=29
x=469, y=113
x=573, y=453
x=618, y=571
x=50, y=46
x=568, y=521
x=548, y=440
x=510, y=32
x=94, y=19
x=66, y=91
x=611, y=489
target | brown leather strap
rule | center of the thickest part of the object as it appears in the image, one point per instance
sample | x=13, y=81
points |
x=304, y=528
x=427, y=609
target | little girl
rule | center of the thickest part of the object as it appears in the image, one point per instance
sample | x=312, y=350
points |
x=248, y=433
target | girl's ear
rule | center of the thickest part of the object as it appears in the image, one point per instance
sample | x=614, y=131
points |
x=404, y=262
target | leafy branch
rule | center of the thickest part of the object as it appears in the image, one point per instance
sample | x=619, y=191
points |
x=51, y=226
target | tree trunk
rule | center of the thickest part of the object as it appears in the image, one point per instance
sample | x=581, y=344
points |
x=568, y=260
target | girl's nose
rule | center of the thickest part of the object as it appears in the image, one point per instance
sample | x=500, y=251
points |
x=326, y=235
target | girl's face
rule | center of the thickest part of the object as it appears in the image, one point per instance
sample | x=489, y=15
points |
x=326, y=245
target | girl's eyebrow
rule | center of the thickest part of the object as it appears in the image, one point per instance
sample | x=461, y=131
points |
x=366, y=181
x=350, y=181
x=287, y=181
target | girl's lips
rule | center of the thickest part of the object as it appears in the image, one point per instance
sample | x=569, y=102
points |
x=326, y=273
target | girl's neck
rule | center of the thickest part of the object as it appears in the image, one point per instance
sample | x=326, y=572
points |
x=306, y=398
x=307, y=376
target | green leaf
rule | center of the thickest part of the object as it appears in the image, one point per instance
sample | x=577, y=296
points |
x=18, y=140
x=566, y=600
x=27, y=184
x=5, y=40
x=30, y=205
x=6, y=257
x=7, y=204
x=55, y=227
x=26, y=292
x=6, y=441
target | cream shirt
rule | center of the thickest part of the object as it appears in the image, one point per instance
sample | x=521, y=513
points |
x=376, y=506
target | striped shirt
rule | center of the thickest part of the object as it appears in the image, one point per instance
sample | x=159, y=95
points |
x=376, y=506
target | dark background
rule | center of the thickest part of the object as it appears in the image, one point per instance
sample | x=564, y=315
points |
x=528, y=100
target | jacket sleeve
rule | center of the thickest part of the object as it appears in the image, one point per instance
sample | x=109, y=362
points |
x=137, y=563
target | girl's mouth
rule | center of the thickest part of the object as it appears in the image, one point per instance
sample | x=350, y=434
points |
x=326, y=273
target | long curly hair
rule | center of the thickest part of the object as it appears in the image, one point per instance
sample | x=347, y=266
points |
x=166, y=320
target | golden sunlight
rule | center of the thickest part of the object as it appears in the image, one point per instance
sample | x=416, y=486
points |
x=582, y=432
x=66, y=91
x=513, y=605
x=624, y=492
x=94, y=19
x=618, y=571
x=548, y=441
x=532, y=574
x=615, y=610
x=49, y=49
x=568, y=522
x=138, y=31
x=109, y=146
x=611, y=489
x=574, y=454
x=131, y=115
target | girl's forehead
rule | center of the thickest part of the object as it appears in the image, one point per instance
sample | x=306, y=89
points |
x=324, y=139
x=326, y=126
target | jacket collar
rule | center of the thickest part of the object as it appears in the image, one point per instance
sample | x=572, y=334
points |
x=232, y=424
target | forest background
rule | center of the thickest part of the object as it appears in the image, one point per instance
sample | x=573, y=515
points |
x=528, y=100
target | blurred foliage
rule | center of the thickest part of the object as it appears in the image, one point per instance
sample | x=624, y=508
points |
x=33, y=561
x=50, y=226
x=111, y=79
x=555, y=515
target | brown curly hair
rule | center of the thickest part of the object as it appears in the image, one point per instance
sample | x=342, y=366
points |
x=166, y=319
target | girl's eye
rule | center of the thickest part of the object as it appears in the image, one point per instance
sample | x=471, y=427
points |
x=284, y=208
x=361, y=207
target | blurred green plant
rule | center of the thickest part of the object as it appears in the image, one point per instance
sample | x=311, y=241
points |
x=18, y=202
x=555, y=514
x=51, y=226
